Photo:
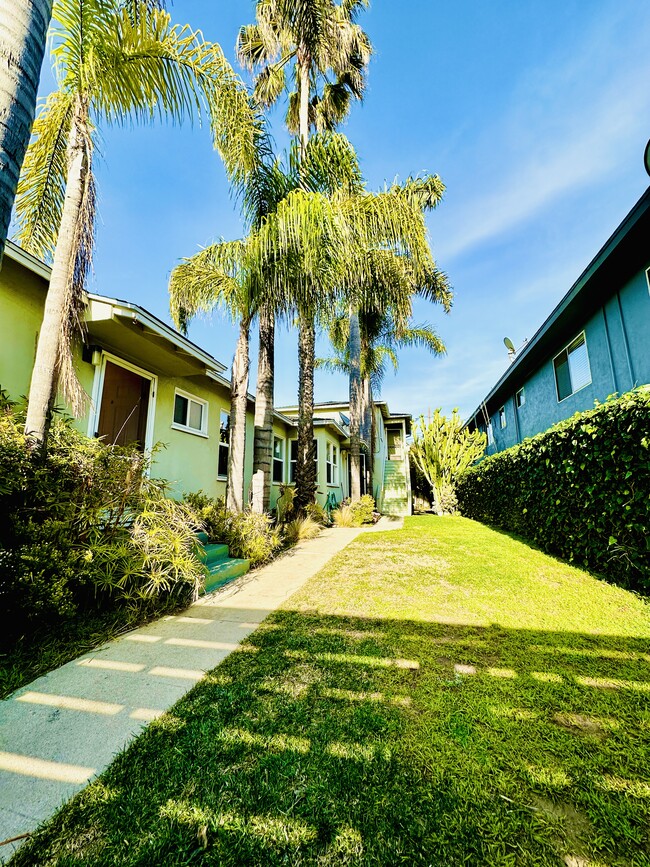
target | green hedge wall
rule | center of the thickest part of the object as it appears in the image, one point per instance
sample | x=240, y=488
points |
x=580, y=490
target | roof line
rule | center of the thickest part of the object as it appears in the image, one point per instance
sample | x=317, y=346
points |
x=163, y=330
x=599, y=259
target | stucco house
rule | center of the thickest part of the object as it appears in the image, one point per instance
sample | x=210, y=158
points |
x=147, y=383
x=594, y=344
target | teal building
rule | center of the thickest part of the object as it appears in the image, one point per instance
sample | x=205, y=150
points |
x=594, y=344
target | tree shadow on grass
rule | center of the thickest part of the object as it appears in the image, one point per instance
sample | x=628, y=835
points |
x=344, y=740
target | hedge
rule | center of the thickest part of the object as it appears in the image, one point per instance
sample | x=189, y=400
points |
x=580, y=490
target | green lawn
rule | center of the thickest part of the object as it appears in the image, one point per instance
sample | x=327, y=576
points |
x=441, y=695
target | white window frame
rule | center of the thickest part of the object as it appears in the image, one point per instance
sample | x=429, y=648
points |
x=221, y=445
x=490, y=433
x=203, y=432
x=564, y=349
x=98, y=391
x=503, y=421
x=332, y=464
x=282, y=460
x=520, y=397
x=647, y=278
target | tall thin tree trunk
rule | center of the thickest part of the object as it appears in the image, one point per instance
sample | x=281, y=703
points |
x=42, y=389
x=23, y=30
x=368, y=429
x=263, y=444
x=304, y=63
x=306, y=478
x=354, y=352
x=238, y=405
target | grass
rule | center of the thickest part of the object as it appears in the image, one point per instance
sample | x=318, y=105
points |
x=441, y=695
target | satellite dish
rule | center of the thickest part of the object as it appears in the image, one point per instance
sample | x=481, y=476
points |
x=647, y=157
x=510, y=346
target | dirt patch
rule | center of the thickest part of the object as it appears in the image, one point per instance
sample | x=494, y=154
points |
x=575, y=826
x=580, y=724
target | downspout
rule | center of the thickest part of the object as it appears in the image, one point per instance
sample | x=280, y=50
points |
x=609, y=350
x=625, y=343
x=514, y=406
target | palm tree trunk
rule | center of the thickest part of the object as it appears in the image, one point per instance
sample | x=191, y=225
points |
x=23, y=29
x=42, y=389
x=306, y=478
x=354, y=351
x=238, y=405
x=304, y=63
x=263, y=444
x=368, y=429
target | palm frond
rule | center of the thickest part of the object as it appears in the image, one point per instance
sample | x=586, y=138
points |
x=214, y=277
x=41, y=187
x=149, y=68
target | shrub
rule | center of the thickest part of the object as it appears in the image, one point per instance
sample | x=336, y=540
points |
x=84, y=530
x=363, y=510
x=249, y=535
x=579, y=490
x=300, y=530
x=318, y=514
x=345, y=517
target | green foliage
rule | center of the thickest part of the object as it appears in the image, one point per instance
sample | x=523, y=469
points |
x=300, y=530
x=442, y=449
x=344, y=517
x=579, y=490
x=284, y=504
x=318, y=514
x=363, y=510
x=248, y=535
x=83, y=531
x=355, y=514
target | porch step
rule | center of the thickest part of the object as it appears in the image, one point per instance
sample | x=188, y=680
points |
x=211, y=554
x=225, y=571
x=219, y=567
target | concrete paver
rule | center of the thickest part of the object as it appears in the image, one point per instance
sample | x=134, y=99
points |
x=65, y=727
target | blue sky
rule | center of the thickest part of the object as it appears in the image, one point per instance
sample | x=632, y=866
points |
x=534, y=114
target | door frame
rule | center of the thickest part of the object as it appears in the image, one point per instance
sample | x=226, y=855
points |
x=98, y=391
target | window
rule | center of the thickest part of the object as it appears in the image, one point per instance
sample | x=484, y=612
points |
x=190, y=413
x=647, y=277
x=490, y=434
x=332, y=458
x=572, y=371
x=293, y=456
x=520, y=397
x=278, y=460
x=502, y=417
x=224, y=444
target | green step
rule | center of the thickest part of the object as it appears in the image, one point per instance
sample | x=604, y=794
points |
x=203, y=538
x=222, y=573
x=211, y=554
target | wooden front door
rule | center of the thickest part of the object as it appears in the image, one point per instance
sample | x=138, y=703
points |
x=394, y=436
x=124, y=407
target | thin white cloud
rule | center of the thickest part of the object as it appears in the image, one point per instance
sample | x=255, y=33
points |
x=570, y=124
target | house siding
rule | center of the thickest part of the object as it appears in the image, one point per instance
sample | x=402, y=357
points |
x=618, y=347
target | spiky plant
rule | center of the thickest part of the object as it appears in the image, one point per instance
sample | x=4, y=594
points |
x=114, y=63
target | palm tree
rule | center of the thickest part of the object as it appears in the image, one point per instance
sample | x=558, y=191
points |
x=23, y=30
x=115, y=62
x=219, y=277
x=323, y=233
x=367, y=338
x=330, y=53
x=328, y=49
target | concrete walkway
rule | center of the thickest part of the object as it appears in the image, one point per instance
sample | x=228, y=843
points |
x=65, y=727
